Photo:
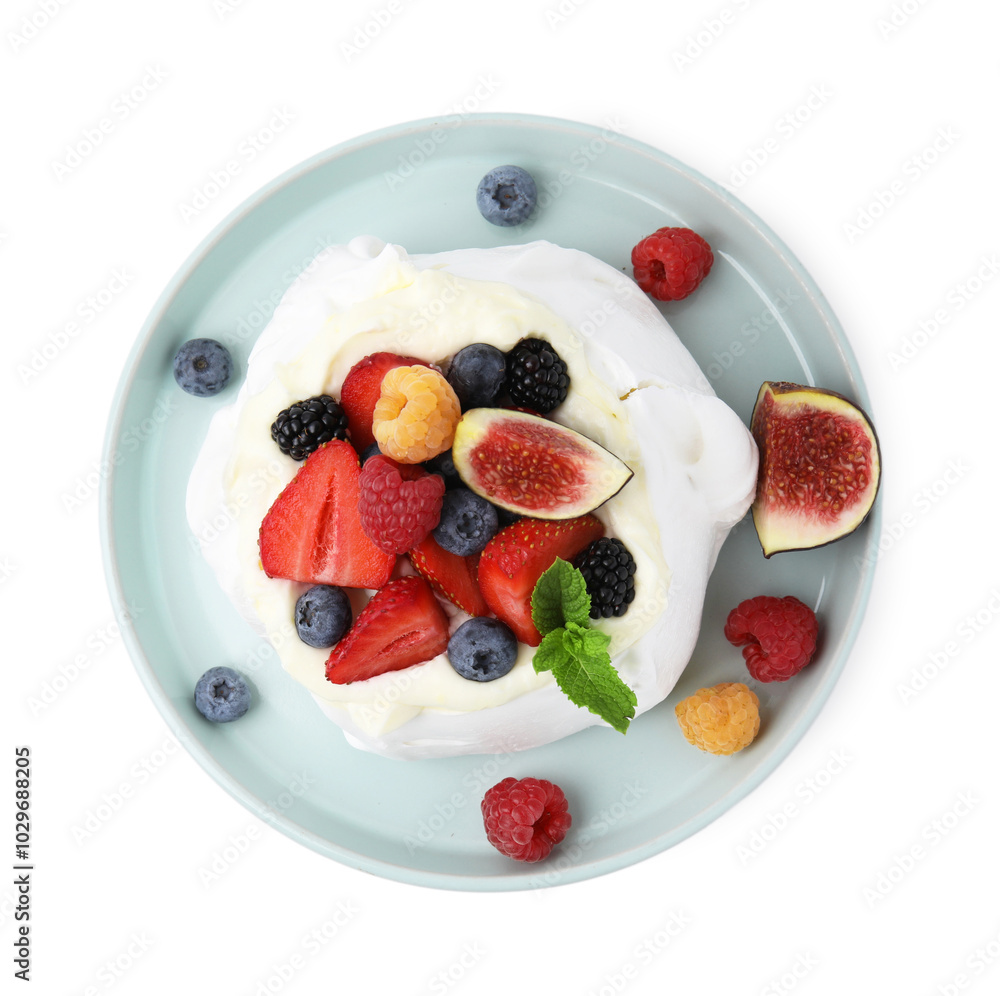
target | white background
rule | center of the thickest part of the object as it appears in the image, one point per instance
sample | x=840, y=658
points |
x=884, y=880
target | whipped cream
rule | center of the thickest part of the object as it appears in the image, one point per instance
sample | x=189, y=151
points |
x=634, y=389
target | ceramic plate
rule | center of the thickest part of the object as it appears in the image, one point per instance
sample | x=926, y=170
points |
x=758, y=317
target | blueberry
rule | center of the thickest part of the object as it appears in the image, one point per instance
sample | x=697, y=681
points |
x=322, y=615
x=444, y=466
x=369, y=451
x=505, y=517
x=506, y=195
x=467, y=524
x=477, y=373
x=482, y=649
x=222, y=695
x=202, y=367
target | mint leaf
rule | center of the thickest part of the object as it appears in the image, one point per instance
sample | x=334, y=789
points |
x=594, y=684
x=586, y=644
x=560, y=597
x=550, y=652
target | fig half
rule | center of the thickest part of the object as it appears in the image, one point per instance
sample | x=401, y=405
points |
x=533, y=466
x=819, y=466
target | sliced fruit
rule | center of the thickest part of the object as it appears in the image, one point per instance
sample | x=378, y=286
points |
x=401, y=625
x=454, y=577
x=516, y=558
x=361, y=389
x=312, y=533
x=819, y=466
x=532, y=466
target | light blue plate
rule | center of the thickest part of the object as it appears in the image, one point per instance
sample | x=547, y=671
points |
x=758, y=317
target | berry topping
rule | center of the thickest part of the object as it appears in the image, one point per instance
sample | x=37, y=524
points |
x=203, y=367
x=401, y=625
x=399, y=504
x=778, y=635
x=322, y=615
x=525, y=818
x=609, y=569
x=671, y=262
x=415, y=415
x=306, y=425
x=360, y=393
x=222, y=695
x=369, y=452
x=506, y=195
x=477, y=374
x=514, y=560
x=456, y=578
x=444, y=465
x=482, y=649
x=536, y=376
x=312, y=533
x=722, y=719
x=467, y=524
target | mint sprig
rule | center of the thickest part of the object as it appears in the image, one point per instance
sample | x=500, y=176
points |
x=576, y=654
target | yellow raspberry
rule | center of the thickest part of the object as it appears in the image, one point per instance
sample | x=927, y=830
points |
x=415, y=415
x=722, y=719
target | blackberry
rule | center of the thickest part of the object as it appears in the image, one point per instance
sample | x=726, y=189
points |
x=608, y=568
x=306, y=425
x=536, y=376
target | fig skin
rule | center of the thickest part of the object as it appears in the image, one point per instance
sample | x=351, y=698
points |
x=781, y=531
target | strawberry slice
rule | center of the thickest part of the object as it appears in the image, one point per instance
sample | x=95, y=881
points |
x=402, y=625
x=454, y=577
x=312, y=533
x=361, y=389
x=516, y=558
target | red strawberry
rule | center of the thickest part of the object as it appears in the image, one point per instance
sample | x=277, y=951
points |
x=454, y=577
x=516, y=558
x=312, y=533
x=361, y=389
x=402, y=625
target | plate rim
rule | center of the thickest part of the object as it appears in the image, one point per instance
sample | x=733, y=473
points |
x=518, y=878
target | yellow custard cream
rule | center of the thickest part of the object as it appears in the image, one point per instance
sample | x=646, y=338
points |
x=633, y=388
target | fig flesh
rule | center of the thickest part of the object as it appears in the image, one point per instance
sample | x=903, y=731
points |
x=533, y=466
x=820, y=466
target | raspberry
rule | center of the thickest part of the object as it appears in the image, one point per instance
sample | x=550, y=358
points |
x=722, y=719
x=525, y=817
x=415, y=415
x=398, y=505
x=778, y=635
x=671, y=262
